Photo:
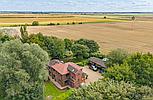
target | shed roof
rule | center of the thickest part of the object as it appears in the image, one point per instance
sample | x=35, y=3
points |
x=97, y=61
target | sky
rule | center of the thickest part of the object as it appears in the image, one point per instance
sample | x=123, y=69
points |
x=77, y=5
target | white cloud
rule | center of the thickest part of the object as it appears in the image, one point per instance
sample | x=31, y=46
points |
x=77, y=5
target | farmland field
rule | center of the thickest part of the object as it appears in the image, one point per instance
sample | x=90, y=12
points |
x=19, y=19
x=130, y=35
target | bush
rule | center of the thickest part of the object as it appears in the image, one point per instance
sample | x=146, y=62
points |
x=73, y=22
x=80, y=23
x=58, y=23
x=68, y=23
x=120, y=73
x=83, y=63
x=35, y=23
x=116, y=57
x=51, y=24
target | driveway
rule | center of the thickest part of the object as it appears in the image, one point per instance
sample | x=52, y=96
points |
x=92, y=75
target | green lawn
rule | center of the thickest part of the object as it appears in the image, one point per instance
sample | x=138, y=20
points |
x=51, y=90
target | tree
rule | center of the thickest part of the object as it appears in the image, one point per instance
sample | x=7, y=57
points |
x=80, y=51
x=24, y=34
x=5, y=37
x=68, y=44
x=133, y=17
x=120, y=73
x=142, y=66
x=111, y=90
x=37, y=38
x=54, y=46
x=116, y=57
x=22, y=69
x=91, y=44
x=35, y=23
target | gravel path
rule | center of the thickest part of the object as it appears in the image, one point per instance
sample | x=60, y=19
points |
x=92, y=75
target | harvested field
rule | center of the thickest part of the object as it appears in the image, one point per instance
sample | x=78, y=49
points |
x=19, y=19
x=132, y=36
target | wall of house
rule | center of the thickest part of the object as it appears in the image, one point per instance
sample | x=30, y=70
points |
x=76, y=79
x=58, y=77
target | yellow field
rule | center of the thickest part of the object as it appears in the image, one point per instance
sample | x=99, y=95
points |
x=17, y=19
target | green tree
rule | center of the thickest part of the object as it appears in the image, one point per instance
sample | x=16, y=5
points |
x=80, y=51
x=54, y=46
x=133, y=18
x=111, y=90
x=37, y=38
x=5, y=37
x=22, y=71
x=142, y=66
x=116, y=57
x=120, y=73
x=91, y=44
x=68, y=44
x=35, y=23
x=24, y=34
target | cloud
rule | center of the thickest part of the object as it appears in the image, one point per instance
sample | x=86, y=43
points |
x=77, y=5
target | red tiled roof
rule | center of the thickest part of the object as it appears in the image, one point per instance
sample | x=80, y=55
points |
x=74, y=65
x=62, y=68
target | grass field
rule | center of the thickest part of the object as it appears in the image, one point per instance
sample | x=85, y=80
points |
x=20, y=19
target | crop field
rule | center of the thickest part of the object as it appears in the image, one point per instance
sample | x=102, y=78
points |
x=19, y=19
x=129, y=35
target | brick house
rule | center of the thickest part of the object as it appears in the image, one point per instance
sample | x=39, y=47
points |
x=66, y=74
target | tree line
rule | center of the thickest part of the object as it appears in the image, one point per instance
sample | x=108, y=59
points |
x=58, y=48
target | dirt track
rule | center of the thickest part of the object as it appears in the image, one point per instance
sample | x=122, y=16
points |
x=132, y=36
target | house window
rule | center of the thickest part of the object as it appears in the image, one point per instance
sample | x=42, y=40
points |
x=53, y=76
x=72, y=77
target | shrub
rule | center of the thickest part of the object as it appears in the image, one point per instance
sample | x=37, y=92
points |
x=58, y=23
x=116, y=57
x=83, y=63
x=73, y=22
x=80, y=23
x=68, y=23
x=51, y=24
x=35, y=23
